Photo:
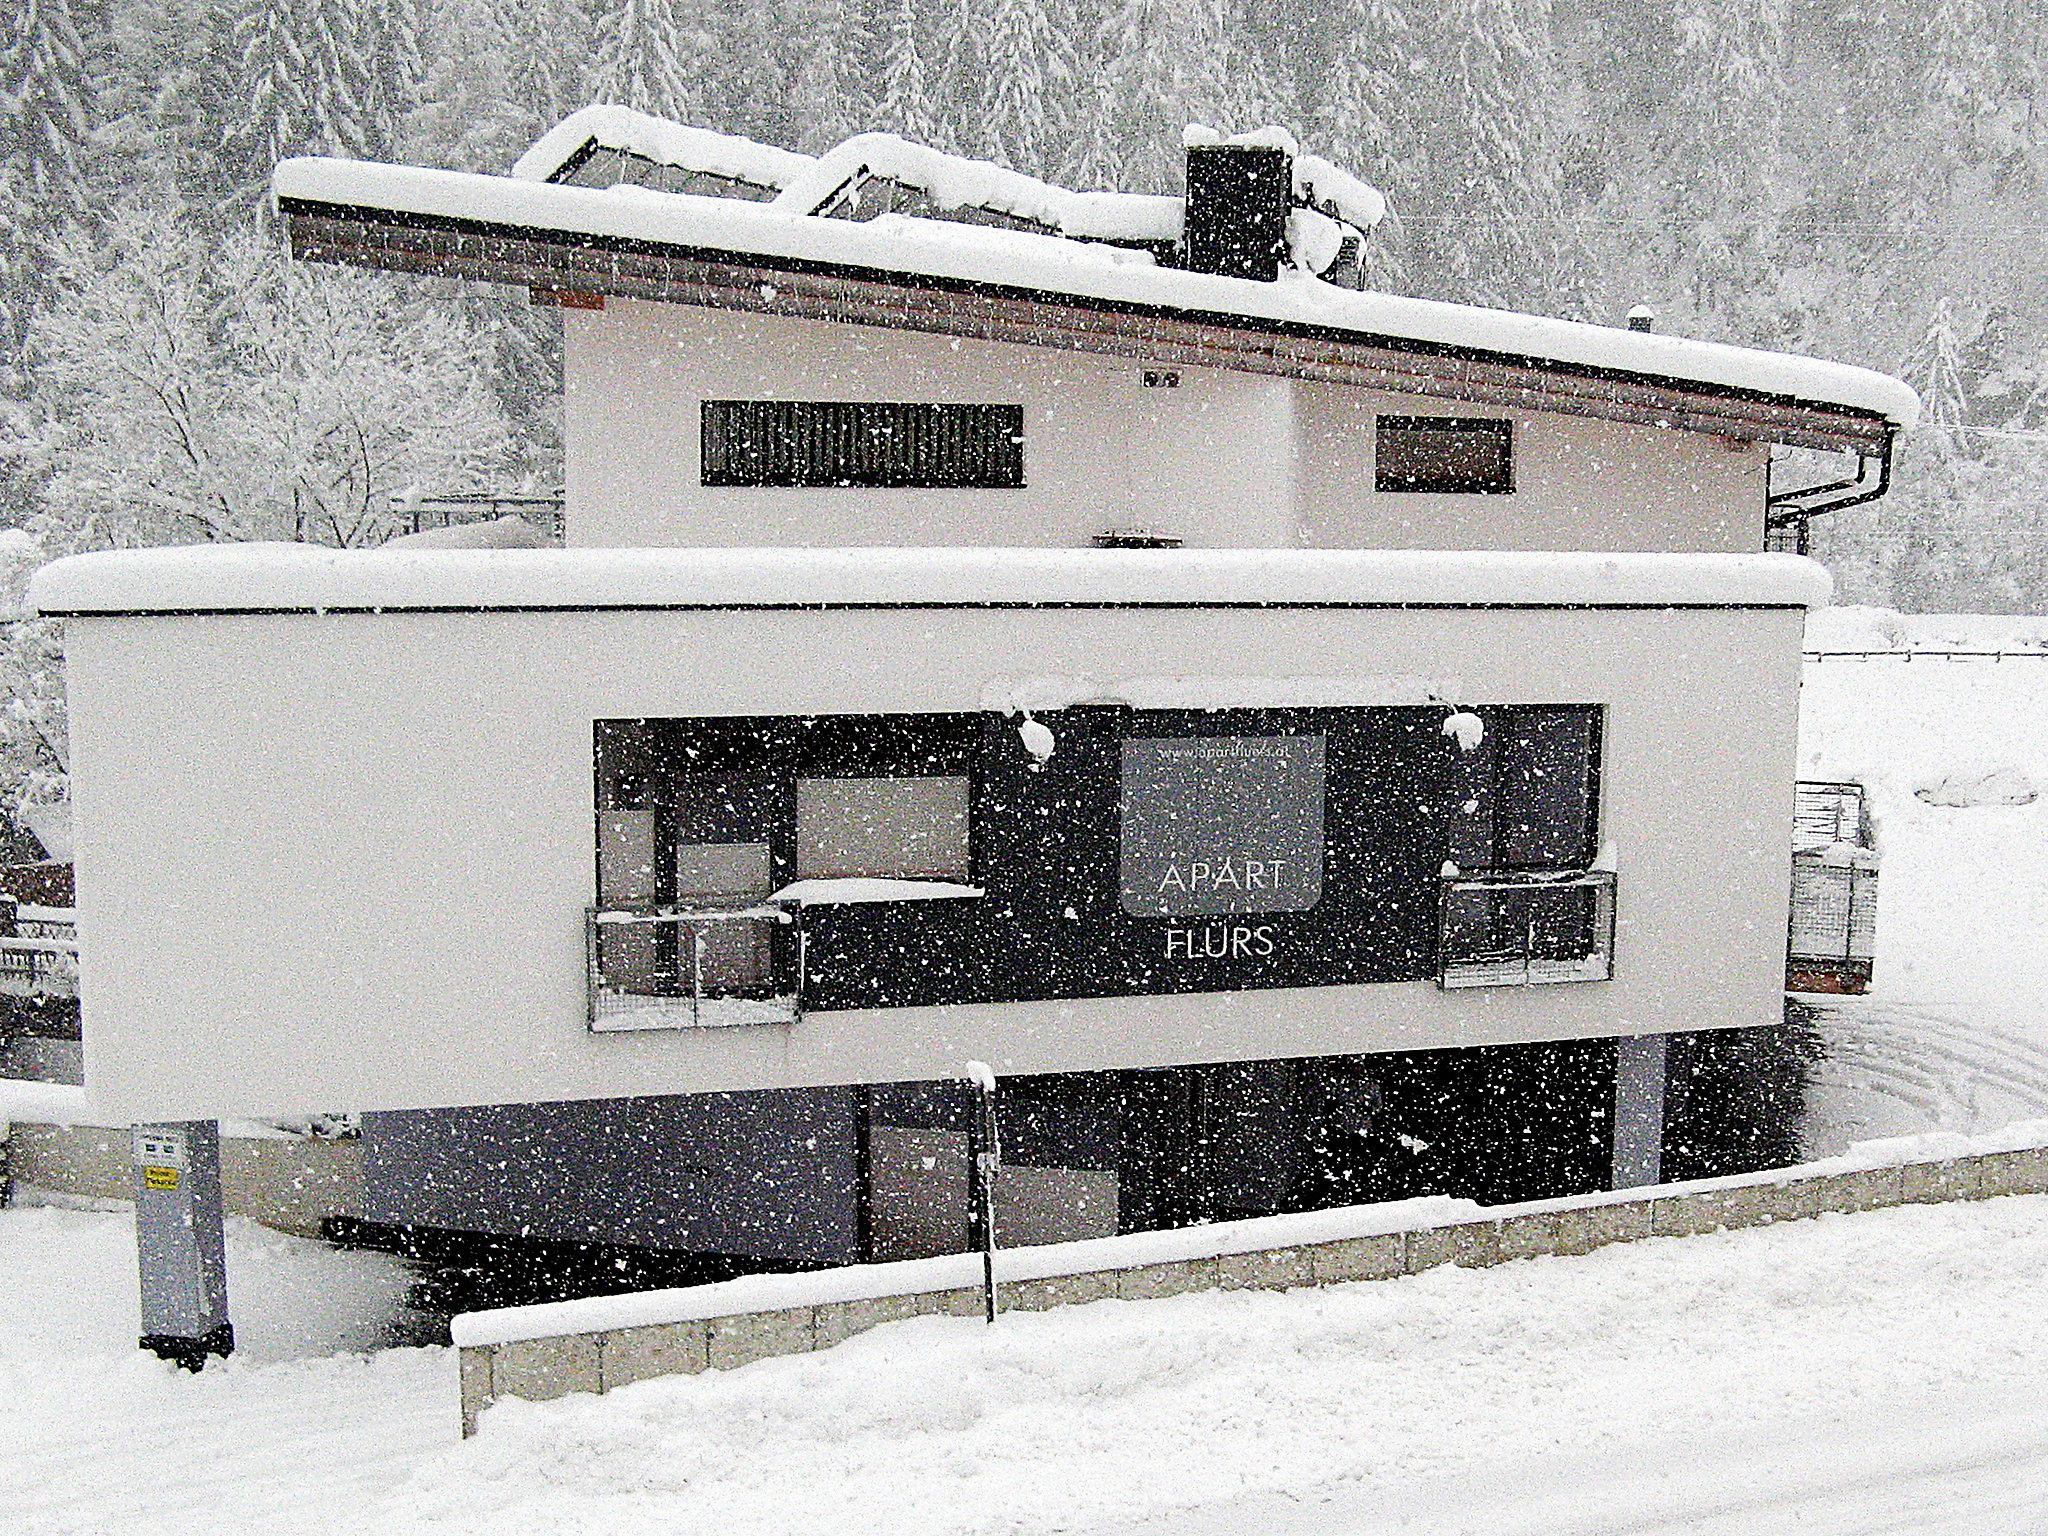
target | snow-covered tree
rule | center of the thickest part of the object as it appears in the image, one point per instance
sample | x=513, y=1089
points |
x=907, y=104
x=44, y=127
x=1168, y=63
x=199, y=389
x=647, y=57
x=1029, y=80
x=830, y=83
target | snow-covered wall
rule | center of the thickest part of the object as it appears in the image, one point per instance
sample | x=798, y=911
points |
x=1226, y=459
x=342, y=859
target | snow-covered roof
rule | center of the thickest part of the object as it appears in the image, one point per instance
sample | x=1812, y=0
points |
x=556, y=153
x=409, y=204
x=297, y=578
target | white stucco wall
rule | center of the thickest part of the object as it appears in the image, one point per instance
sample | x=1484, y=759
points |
x=1208, y=461
x=1579, y=484
x=1228, y=459
x=342, y=861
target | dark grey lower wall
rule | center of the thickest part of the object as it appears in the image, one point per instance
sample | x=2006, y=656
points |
x=768, y=1176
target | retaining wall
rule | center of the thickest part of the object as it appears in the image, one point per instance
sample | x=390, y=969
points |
x=603, y=1343
x=291, y=1183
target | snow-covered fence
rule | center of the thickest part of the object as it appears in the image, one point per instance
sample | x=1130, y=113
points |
x=603, y=1343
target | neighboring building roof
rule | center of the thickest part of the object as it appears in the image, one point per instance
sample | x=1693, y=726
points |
x=298, y=578
x=979, y=250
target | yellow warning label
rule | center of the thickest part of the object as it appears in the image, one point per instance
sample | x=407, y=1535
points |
x=159, y=1178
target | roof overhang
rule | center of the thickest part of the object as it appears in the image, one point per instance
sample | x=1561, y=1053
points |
x=215, y=579
x=573, y=262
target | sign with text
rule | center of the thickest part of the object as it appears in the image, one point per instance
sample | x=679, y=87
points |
x=1215, y=824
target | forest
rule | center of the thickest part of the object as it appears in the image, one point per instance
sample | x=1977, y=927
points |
x=1862, y=179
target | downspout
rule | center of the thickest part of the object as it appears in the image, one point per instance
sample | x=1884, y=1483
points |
x=1795, y=509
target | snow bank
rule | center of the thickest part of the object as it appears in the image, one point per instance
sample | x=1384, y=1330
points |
x=295, y=577
x=663, y=142
x=937, y=248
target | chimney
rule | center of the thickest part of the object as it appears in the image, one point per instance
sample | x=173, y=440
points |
x=1642, y=318
x=1238, y=197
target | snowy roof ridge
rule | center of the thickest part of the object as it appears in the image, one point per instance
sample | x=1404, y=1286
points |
x=298, y=578
x=955, y=181
x=662, y=141
x=1101, y=273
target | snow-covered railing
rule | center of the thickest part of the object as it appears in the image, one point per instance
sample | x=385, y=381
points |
x=605, y=1342
x=1930, y=653
x=684, y=967
x=40, y=957
x=1520, y=930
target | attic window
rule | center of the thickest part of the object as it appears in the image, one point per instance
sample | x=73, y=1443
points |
x=1449, y=455
x=862, y=443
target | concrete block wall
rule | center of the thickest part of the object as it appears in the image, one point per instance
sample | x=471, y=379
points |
x=555, y=1365
x=291, y=1183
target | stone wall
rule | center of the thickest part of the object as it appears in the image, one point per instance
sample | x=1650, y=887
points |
x=601, y=1360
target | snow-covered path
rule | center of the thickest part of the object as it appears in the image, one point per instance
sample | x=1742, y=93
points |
x=1860, y=1374
x=96, y=1437
x=1857, y=1374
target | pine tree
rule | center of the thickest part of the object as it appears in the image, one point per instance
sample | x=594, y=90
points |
x=906, y=105
x=646, y=58
x=1029, y=67
x=749, y=93
x=1168, y=63
x=831, y=77
x=44, y=132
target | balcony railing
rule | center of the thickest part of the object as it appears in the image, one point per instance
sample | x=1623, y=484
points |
x=1519, y=930
x=40, y=957
x=418, y=514
x=694, y=967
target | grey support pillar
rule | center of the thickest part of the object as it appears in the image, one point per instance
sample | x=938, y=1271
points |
x=179, y=1242
x=1639, y=1068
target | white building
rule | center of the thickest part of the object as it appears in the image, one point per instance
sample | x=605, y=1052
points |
x=1430, y=694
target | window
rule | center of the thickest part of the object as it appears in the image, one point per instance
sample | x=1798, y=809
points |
x=1531, y=792
x=862, y=443
x=889, y=829
x=1458, y=455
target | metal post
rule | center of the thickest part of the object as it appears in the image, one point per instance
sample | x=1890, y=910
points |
x=984, y=1156
x=1640, y=1063
x=180, y=1246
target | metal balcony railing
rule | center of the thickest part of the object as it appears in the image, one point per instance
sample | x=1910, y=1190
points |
x=417, y=514
x=1519, y=930
x=40, y=957
x=692, y=967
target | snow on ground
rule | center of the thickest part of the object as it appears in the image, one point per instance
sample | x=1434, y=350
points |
x=1858, y=1373
x=298, y=1433
x=1954, y=1034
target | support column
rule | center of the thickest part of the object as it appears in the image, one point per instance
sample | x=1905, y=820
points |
x=179, y=1242
x=1639, y=1073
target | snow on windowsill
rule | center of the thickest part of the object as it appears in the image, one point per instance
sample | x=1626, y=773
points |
x=850, y=891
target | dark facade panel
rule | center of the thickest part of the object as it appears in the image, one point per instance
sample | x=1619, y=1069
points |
x=1374, y=801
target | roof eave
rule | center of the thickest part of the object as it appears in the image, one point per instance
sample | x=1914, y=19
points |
x=563, y=261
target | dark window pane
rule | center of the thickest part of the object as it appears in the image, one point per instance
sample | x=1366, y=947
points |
x=1544, y=808
x=862, y=443
x=1445, y=454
